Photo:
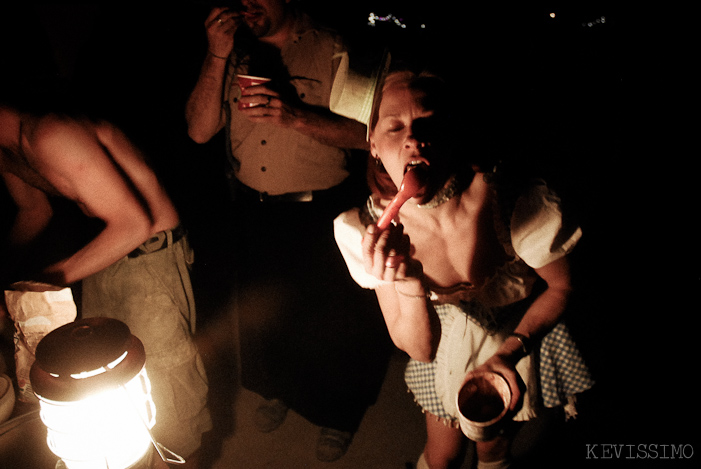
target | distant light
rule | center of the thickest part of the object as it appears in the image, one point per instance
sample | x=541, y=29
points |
x=371, y=19
x=598, y=21
x=390, y=18
x=552, y=15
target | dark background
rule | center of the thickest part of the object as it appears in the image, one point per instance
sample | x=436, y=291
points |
x=564, y=82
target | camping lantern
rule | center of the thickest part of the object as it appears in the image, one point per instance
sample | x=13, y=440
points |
x=95, y=395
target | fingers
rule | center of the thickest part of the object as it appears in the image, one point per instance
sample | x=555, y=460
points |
x=368, y=245
x=266, y=106
x=508, y=372
x=214, y=14
x=259, y=96
x=223, y=17
x=393, y=260
x=221, y=24
x=376, y=254
x=518, y=389
x=514, y=381
x=259, y=90
x=384, y=255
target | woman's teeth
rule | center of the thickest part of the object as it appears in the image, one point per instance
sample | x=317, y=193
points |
x=413, y=164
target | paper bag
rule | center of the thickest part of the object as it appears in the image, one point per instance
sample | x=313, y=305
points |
x=36, y=309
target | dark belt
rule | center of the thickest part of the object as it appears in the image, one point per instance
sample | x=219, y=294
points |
x=245, y=193
x=158, y=242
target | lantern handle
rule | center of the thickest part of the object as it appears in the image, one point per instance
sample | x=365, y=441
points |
x=162, y=450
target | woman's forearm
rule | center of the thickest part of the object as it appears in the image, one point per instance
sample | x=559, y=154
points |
x=547, y=309
x=412, y=323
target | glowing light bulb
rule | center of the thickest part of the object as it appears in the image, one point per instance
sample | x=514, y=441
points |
x=109, y=429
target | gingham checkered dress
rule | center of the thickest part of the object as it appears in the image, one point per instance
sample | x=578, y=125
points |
x=556, y=368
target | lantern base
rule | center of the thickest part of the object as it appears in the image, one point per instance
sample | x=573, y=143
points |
x=148, y=461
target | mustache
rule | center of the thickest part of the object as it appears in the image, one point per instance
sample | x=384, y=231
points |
x=250, y=8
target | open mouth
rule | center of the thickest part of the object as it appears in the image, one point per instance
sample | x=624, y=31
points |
x=416, y=164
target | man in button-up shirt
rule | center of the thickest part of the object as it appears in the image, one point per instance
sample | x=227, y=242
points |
x=309, y=338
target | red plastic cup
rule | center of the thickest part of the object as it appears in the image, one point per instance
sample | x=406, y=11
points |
x=245, y=81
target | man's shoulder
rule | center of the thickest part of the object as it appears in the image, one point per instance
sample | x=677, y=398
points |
x=307, y=24
x=54, y=131
x=51, y=126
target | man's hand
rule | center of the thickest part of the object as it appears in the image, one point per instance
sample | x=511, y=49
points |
x=261, y=104
x=221, y=24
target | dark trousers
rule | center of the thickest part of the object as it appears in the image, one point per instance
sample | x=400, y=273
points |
x=308, y=334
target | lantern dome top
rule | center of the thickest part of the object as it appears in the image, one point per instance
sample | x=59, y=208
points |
x=85, y=356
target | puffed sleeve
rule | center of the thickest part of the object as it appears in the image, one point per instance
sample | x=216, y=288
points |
x=539, y=233
x=349, y=230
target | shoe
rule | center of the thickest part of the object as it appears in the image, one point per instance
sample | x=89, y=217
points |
x=332, y=444
x=270, y=415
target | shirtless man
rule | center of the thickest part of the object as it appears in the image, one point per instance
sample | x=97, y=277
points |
x=136, y=268
x=92, y=164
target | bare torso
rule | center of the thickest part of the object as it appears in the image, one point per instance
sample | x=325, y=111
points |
x=114, y=157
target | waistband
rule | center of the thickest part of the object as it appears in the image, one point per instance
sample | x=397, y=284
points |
x=247, y=194
x=159, y=241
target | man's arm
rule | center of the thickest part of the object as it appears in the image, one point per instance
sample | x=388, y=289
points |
x=203, y=109
x=332, y=129
x=316, y=122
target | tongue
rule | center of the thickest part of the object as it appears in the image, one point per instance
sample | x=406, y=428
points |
x=413, y=181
